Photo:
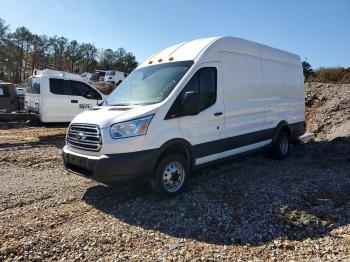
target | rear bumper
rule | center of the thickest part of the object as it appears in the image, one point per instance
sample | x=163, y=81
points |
x=297, y=130
x=110, y=169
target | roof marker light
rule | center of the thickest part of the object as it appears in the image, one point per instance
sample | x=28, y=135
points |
x=160, y=60
x=150, y=62
x=171, y=58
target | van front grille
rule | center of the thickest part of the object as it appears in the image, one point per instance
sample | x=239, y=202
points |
x=86, y=137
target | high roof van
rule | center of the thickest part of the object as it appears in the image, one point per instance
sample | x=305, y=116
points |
x=187, y=106
x=58, y=96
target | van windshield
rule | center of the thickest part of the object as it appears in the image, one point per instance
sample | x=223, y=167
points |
x=148, y=85
x=33, y=85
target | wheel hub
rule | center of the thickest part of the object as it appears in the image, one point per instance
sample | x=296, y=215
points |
x=284, y=144
x=173, y=176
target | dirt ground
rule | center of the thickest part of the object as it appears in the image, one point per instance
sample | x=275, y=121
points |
x=252, y=208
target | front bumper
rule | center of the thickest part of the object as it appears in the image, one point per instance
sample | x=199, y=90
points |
x=111, y=168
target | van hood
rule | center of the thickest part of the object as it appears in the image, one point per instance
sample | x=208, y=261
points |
x=105, y=116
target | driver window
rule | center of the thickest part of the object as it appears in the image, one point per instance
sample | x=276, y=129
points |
x=204, y=82
x=207, y=87
x=82, y=89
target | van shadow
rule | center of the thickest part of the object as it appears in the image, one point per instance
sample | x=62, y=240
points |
x=252, y=200
x=23, y=124
x=57, y=140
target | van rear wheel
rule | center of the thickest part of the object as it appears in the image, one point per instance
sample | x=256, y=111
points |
x=280, y=148
x=171, y=175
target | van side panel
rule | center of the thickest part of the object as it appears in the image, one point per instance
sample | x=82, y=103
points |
x=283, y=87
x=243, y=89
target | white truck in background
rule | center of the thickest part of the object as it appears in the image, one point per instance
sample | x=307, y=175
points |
x=59, y=96
x=115, y=77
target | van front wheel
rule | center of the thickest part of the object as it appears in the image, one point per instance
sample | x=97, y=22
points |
x=281, y=146
x=171, y=175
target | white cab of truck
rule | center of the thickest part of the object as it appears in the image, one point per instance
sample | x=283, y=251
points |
x=190, y=105
x=115, y=77
x=59, y=96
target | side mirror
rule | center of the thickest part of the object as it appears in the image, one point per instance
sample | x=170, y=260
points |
x=190, y=102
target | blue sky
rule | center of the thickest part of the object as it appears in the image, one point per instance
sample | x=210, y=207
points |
x=318, y=30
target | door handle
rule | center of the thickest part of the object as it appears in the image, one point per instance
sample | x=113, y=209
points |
x=74, y=101
x=218, y=114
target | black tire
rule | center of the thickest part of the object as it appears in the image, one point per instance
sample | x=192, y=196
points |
x=280, y=147
x=35, y=121
x=158, y=183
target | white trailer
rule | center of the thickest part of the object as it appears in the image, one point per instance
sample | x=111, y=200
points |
x=187, y=106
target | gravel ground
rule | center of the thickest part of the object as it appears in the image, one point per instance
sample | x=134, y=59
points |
x=252, y=208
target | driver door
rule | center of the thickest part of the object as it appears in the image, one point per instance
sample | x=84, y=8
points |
x=82, y=98
x=204, y=130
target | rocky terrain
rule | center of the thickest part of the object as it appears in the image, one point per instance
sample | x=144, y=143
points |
x=328, y=109
x=253, y=208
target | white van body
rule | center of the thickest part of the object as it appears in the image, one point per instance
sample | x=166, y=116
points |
x=58, y=96
x=259, y=92
x=114, y=76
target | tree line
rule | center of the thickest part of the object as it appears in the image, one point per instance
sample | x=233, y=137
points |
x=21, y=51
x=333, y=75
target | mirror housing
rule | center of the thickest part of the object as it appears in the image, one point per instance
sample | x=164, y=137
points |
x=190, y=103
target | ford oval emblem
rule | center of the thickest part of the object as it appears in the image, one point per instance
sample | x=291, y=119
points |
x=81, y=136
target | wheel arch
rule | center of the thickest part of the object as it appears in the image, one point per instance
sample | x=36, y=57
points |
x=176, y=145
x=282, y=125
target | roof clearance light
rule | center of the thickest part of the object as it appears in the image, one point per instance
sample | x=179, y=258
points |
x=160, y=60
x=171, y=58
x=150, y=62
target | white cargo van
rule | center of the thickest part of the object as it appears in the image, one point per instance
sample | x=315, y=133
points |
x=58, y=96
x=115, y=77
x=187, y=106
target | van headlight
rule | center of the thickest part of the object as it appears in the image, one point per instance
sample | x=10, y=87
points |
x=136, y=127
